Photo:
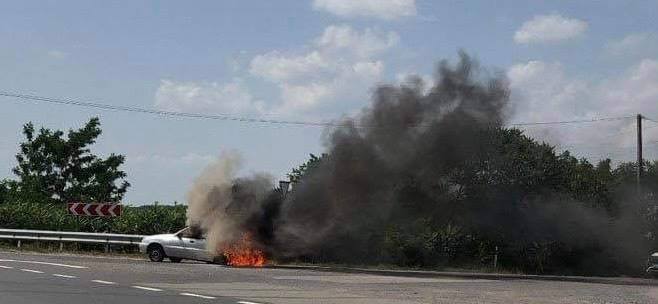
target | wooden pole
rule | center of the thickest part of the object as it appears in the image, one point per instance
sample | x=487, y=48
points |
x=640, y=164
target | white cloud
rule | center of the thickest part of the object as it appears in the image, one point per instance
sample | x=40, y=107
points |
x=275, y=66
x=337, y=43
x=339, y=68
x=341, y=38
x=351, y=83
x=549, y=28
x=225, y=98
x=333, y=74
x=634, y=92
x=540, y=82
x=544, y=92
x=384, y=9
x=635, y=45
x=57, y=54
x=302, y=97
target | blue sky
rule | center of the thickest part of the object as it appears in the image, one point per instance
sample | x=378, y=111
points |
x=310, y=60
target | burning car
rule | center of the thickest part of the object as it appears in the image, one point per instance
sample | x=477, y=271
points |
x=190, y=244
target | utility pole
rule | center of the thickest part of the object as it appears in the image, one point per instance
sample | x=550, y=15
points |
x=639, y=154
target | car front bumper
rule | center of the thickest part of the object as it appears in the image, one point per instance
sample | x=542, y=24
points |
x=142, y=247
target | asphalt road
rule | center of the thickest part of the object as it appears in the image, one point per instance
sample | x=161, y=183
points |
x=37, y=278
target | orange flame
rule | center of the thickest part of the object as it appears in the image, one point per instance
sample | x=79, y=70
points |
x=244, y=253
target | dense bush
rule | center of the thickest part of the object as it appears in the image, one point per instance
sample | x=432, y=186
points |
x=546, y=212
x=149, y=219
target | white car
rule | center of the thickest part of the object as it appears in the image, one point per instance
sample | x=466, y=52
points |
x=184, y=244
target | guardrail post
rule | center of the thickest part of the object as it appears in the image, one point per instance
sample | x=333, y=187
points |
x=18, y=244
x=61, y=246
x=495, y=261
x=107, y=246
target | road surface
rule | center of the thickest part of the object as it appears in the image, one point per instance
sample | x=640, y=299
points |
x=37, y=278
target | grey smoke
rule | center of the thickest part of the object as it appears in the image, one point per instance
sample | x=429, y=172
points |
x=408, y=131
x=220, y=203
x=401, y=159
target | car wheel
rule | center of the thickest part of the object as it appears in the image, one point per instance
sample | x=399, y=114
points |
x=175, y=260
x=155, y=252
x=221, y=260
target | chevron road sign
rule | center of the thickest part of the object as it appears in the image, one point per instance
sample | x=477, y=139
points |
x=95, y=209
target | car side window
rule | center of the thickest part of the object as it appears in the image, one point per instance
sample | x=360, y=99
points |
x=194, y=233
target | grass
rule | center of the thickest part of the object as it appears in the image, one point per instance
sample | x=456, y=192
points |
x=71, y=248
x=474, y=269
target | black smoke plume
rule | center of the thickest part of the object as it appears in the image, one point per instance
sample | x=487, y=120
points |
x=423, y=160
x=408, y=134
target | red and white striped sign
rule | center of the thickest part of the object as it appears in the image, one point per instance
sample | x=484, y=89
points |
x=95, y=209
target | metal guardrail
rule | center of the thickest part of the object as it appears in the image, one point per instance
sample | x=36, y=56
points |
x=69, y=236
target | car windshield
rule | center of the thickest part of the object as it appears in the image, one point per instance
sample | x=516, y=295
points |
x=189, y=232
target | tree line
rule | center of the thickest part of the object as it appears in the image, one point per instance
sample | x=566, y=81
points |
x=539, y=210
x=54, y=168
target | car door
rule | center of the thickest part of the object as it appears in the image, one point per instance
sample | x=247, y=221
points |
x=195, y=248
x=174, y=246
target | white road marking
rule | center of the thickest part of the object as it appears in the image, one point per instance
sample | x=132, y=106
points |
x=103, y=282
x=64, y=276
x=146, y=288
x=44, y=263
x=247, y=302
x=6, y=267
x=31, y=270
x=196, y=295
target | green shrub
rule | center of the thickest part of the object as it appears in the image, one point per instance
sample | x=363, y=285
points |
x=149, y=219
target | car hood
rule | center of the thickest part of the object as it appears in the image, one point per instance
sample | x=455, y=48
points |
x=159, y=237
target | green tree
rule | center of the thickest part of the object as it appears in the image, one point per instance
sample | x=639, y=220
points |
x=5, y=189
x=298, y=173
x=54, y=168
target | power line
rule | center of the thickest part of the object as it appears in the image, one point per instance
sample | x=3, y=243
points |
x=580, y=144
x=649, y=119
x=571, y=121
x=159, y=112
x=228, y=117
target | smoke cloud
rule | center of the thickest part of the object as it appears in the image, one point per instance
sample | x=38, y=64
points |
x=405, y=134
x=416, y=157
x=222, y=204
